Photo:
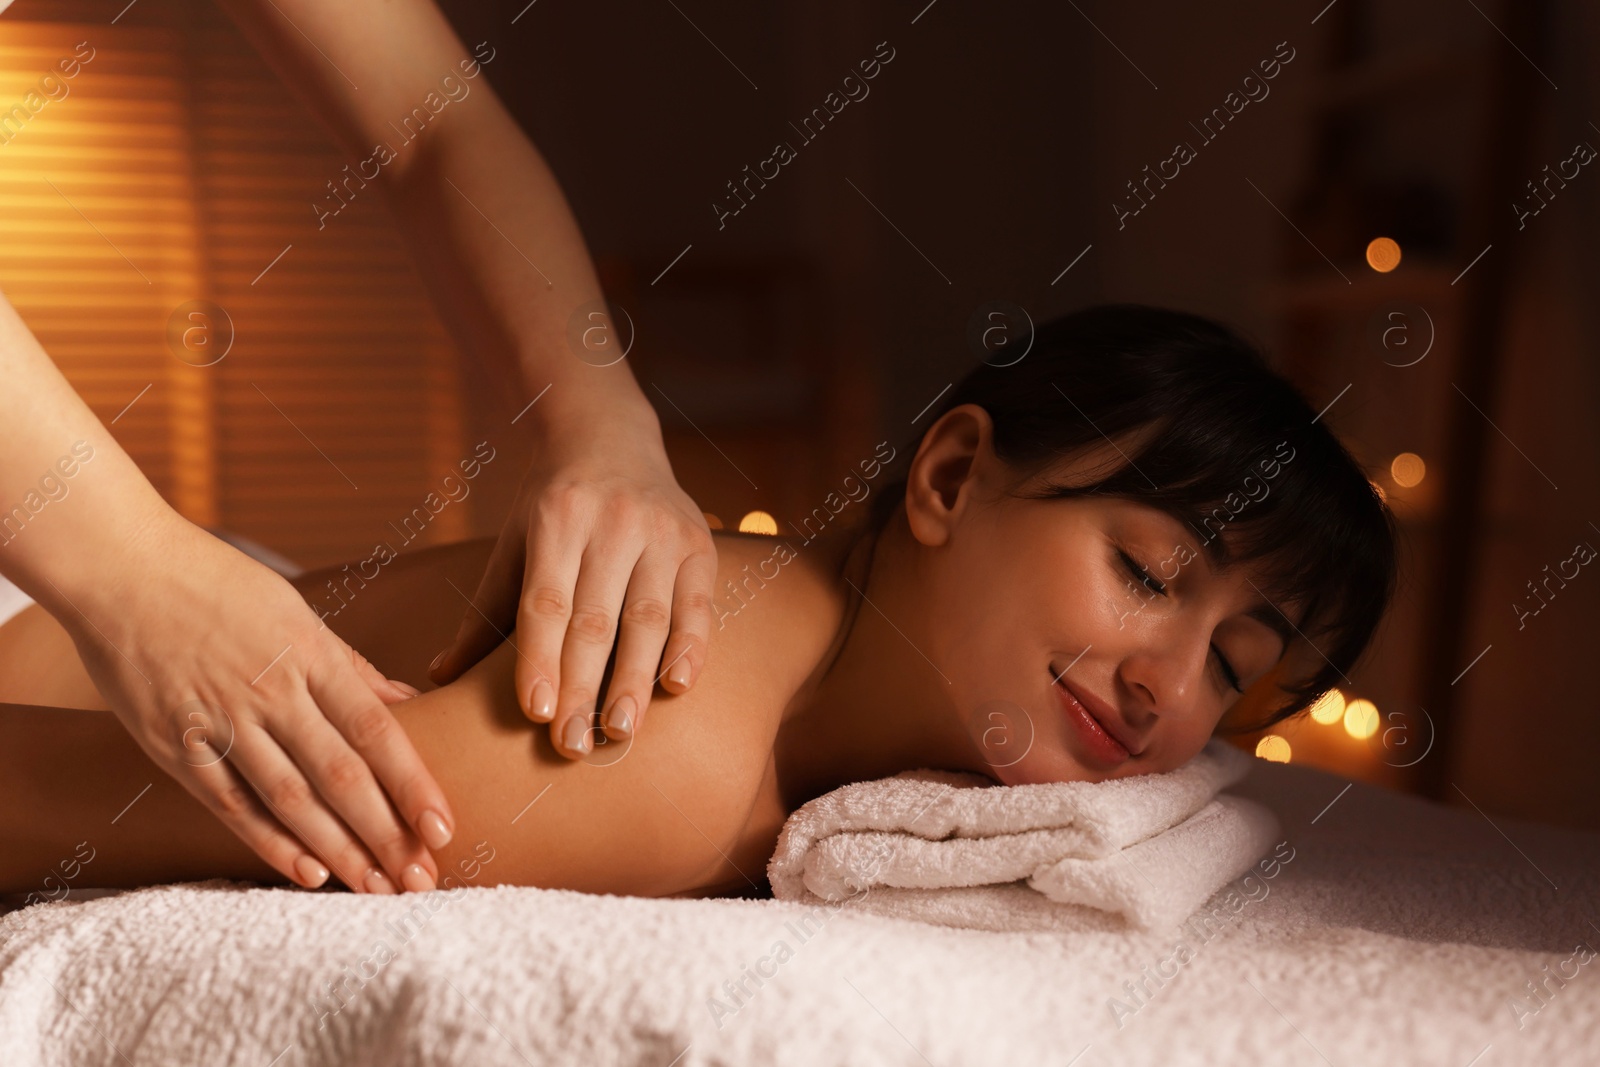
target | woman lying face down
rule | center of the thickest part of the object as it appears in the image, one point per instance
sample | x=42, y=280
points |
x=1086, y=558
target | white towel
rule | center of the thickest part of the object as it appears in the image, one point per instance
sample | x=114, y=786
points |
x=1149, y=848
x=13, y=601
x=1395, y=930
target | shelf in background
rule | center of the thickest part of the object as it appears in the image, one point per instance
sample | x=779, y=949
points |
x=1420, y=282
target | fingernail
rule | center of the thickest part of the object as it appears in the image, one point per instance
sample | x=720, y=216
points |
x=437, y=660
x=378, y=882
x=312, y=874
x=576, y=734
x=435, y=831
x=415, y=879
x=543, y=705
x=619, y=717
x=408, y=690
x=678, y=675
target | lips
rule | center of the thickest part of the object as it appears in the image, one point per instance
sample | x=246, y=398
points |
x=1101, y=726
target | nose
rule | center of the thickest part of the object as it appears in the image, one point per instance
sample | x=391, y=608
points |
x=1166, y=675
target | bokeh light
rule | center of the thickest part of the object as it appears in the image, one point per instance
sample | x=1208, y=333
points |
x=712, y=521
x=758, y=522
x=1383, y=254
x=1274, y=748
x=1407, y=469
x=1329, y=709
x=1361, y=719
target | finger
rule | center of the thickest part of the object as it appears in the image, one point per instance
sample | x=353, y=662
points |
x=228, y=796
x=257, y=759
x=603, y=579
x=385, y=688
x=369, y=745
x=338, y=779
x=492, y=612
x=643, y=628
x=543, y=615
x=686, y=648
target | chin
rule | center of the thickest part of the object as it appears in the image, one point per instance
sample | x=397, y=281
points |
x=1042, y=763
x=1042, y=771
x=1021, y=745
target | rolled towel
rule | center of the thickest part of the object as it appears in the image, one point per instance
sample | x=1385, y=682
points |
x=940, y=830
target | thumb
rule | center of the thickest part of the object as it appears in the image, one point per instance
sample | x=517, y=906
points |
x=386, y=689
x=475, y=639
x=492, y=615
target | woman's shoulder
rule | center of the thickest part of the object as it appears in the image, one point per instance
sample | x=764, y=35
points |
x=773, y=599
x=690, y=803
x=775, y=614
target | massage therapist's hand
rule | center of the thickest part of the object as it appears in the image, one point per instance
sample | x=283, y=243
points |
x=600, y=537
x=232, y=685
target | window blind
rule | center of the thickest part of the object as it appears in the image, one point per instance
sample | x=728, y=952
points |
x=175, y=178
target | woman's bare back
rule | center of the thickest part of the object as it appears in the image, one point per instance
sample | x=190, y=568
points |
x=691, y=805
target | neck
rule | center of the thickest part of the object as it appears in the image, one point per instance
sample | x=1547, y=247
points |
x=875, y=705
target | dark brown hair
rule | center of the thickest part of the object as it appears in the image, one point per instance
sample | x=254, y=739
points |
x=1218, y=413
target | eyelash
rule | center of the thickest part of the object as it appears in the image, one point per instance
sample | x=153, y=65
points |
x=1155, y=586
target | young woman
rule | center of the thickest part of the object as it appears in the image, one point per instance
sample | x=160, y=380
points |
x=1076, y=571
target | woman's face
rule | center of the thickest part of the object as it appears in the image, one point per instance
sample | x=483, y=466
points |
x=1054, y=597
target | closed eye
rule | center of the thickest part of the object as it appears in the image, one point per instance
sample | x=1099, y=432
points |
x=1139, y=574
x=1227, y=671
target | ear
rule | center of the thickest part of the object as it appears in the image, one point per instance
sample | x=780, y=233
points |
x=946, y=473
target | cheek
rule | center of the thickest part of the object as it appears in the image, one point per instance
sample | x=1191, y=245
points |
x=997, y=615
x=997, y=609
x=984, y=625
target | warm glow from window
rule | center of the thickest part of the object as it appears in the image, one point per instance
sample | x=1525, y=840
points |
x=1274, y=748
x=1361, y=719
x=758, y=522
x=1330, y=709
x=712, y=521
x=158, y=189
x=1383, y=254
x=1407, y=469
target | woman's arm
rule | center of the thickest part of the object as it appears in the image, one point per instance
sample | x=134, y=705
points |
x=666, y=814
x=161, y=612
x=664, y=817
x=601, y=537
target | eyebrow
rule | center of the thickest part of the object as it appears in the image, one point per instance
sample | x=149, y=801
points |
x=1274, y=620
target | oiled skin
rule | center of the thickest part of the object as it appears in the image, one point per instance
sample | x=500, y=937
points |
x=690, y=806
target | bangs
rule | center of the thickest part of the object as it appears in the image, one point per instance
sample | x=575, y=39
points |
x=1207, y=432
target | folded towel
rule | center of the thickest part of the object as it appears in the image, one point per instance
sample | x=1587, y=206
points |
x=1149, y=848
x=1159, y=882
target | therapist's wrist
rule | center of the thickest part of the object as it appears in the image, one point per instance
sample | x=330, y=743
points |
x=562, y=418
x=140, y=538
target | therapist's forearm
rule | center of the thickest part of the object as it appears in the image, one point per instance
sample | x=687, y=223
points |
x=73, y=505
x=488, y=227
x=501, y=252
